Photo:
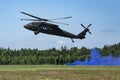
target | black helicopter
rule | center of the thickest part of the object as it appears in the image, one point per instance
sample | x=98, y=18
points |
x=41, y=25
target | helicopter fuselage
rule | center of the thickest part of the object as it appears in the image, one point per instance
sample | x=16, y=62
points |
x=48, y=28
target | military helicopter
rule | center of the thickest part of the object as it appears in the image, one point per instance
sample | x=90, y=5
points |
x=46, y=26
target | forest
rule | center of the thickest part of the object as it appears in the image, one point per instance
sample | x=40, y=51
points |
x=52, y=56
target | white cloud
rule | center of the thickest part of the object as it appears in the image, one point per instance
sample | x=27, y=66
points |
x=60, y=42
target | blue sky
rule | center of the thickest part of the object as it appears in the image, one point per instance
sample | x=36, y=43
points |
x=104, y=15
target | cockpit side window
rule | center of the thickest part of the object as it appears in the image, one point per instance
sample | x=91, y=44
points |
x=30, y=24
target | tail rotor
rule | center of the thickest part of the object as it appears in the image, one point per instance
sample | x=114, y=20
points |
x=86, y=28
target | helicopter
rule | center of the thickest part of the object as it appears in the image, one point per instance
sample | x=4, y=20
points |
x=40, y=25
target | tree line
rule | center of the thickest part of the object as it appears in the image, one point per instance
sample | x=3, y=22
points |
x=113, y=50
x=53, y=55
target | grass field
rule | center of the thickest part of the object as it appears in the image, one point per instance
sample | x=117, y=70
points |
x=54, y=72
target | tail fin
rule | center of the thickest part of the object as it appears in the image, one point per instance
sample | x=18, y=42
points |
x=82, y=34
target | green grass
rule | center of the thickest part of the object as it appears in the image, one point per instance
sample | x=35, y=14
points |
x=54, y=72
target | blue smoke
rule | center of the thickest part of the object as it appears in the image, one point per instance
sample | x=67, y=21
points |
x=96, y=59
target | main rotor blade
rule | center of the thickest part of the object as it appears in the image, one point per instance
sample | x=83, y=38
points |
x=61, y=18
x=41, y=19
x=34, y=16
x=59, y=22
x=31, y=19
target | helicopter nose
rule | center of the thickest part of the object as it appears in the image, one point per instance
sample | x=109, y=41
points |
x=25, y=26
